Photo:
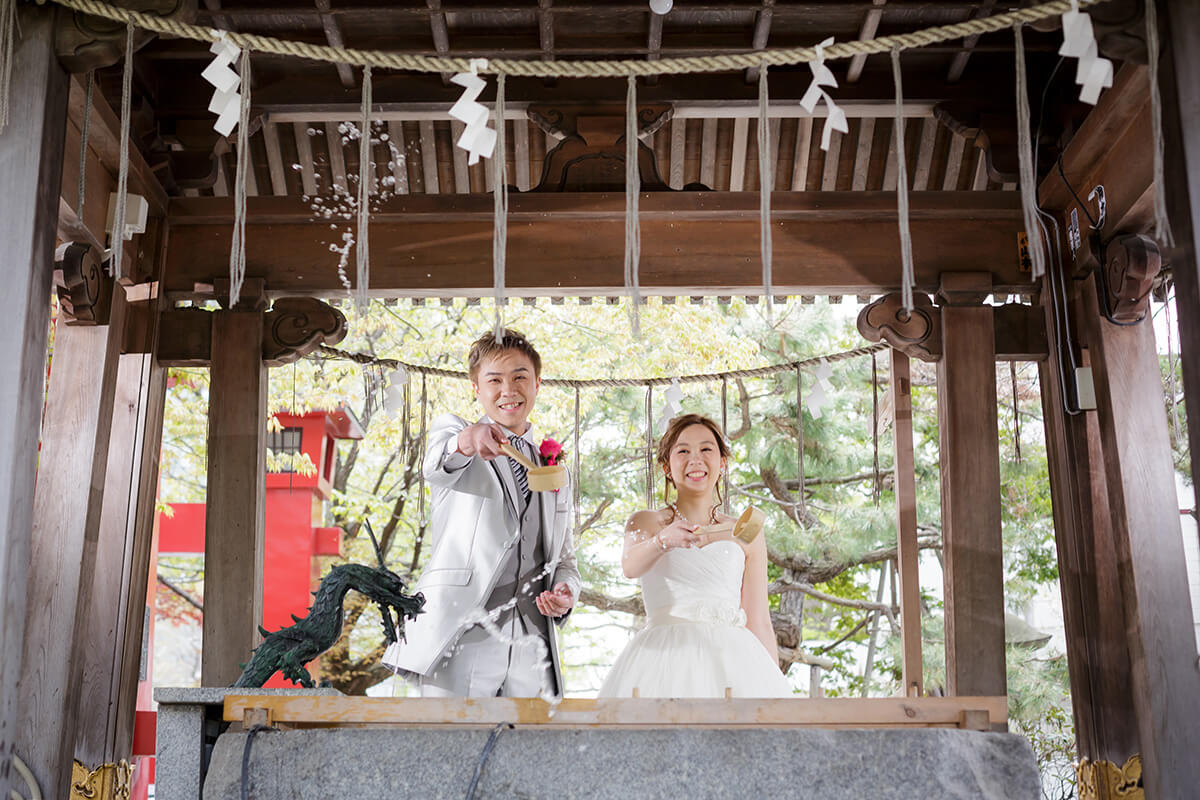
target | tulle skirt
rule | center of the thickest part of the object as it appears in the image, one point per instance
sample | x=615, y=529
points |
x=695, y=659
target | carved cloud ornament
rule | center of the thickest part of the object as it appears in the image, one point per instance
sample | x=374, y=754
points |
x=84, y=288
x=917, y=334
x=295, y=326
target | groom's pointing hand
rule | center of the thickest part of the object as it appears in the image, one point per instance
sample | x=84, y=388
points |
x=482, y=439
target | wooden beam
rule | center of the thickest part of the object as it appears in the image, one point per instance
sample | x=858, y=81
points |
x=708, y=153
x=398, y=156
x=275, y=159
x=678, y=143
x=833, y=157
x=1149, y=543
x=973, y=558
x=233, y=539
x=869, y=27
x=828, y=242
x=462, y=179
x=333, y=35
x=66, y=520
x=641, y=712
x=308, y=170
x=954, y=163
x=907, y=564
x=800, y=156
x=1113, y=147
x=959, y=64
x=521, y=161
x=862, y=155
x=1179, y=94
x=737, y=158
x=762, y=32
x=337, y=157
x=920, y=178
x=1097, y=649
x=31, y=158
x=429, y=159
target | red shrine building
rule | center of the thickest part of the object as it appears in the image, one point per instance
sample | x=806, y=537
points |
x=295, y=504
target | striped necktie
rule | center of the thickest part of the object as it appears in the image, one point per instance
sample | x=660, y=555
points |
x=518, y=470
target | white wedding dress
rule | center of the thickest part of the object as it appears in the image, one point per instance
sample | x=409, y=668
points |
x=695, y=643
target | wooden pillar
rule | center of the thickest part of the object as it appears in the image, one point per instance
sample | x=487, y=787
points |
x=906, y=527
x=110, y=630
x=1144, y=512
x=1179, y=23
x=66, y=522
x=970, y=472
x=233, y=544
x=30, y=166
x=1093, y=614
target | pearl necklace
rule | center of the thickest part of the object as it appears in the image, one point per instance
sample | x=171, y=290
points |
x=675, y=510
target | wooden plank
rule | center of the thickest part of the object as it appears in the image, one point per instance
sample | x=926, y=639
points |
x=337, y=157
x=906, y=527
x=308, y=172
x=869, y=27
x=737, y=158
x=251, y=175
x=31, y=158
x=233, y=538
x=333, y=35
x=973, y=558
x=275, y=159
x=462, y=180
x=708, y=153
x=520, y=153
x=920, y=177
x=833, y=157
x=1149, y=543
x=980, y=182
x=959, y=64
x=800, y=158
x=834, y=242
x=67, y=504
x=891, y=166
x=954, y=163
x=641, y=712
x=397, y=157
x=862, y=155
x=678, y=140
x=110, y=637
x=429, y=160
x=1097, y=651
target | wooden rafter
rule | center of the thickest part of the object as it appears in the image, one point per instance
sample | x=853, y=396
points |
x=970, y=43
x=762, y=32
x=869, y=27
x=333, y=35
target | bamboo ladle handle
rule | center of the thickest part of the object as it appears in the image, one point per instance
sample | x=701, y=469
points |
x=517, y=455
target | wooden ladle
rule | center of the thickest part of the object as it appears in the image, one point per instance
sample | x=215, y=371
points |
x=747, y=527
x=541, y=479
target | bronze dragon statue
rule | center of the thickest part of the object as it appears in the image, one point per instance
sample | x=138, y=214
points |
x=287, y=650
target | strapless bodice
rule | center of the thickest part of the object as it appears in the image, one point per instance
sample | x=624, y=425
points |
x=701, y=584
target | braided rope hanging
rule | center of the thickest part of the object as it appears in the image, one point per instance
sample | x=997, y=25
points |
x=500, y=208
x=1162, y=223
x=237, y=250
x=907, y=272
x=366, y=176
x=633, y=229
x=1033, y=229
x=118, y=226
x=766, y=182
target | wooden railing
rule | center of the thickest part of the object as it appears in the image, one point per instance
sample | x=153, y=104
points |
x=974, y=713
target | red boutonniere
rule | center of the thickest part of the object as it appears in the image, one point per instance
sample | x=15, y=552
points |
x=550, y=451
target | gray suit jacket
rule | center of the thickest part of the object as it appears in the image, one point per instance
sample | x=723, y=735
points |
x=475, y=519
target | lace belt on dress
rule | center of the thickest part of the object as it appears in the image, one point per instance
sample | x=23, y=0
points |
x=710, y=613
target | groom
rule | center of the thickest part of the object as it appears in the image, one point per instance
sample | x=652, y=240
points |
x=502, y=572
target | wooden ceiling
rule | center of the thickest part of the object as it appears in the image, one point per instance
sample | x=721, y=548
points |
x=710, y=141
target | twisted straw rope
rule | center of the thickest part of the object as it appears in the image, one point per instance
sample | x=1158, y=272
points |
x=332, y=353
x=579, y=69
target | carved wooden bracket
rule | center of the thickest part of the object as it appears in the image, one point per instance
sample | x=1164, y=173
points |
x=84, y=42
x=295, y=326
x=591, y=155
x=917, y=334
x=1131, y=263
x=84, y=288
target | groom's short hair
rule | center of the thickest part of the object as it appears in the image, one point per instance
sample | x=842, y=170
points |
x=488, y=345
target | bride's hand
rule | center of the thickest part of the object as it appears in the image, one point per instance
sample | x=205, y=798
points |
x=678, y=534
x=721, y=531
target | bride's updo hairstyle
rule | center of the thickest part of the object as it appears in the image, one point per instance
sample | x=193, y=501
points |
x=675, y=427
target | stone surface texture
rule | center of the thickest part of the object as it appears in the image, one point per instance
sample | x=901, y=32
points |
x=695, y=763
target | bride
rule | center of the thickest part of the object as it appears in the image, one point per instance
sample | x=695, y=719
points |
x=708, y=626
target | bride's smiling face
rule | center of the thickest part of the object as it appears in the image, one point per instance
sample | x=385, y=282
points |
x=695, y=462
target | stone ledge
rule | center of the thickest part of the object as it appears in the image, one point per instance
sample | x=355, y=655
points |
x=620, y=764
